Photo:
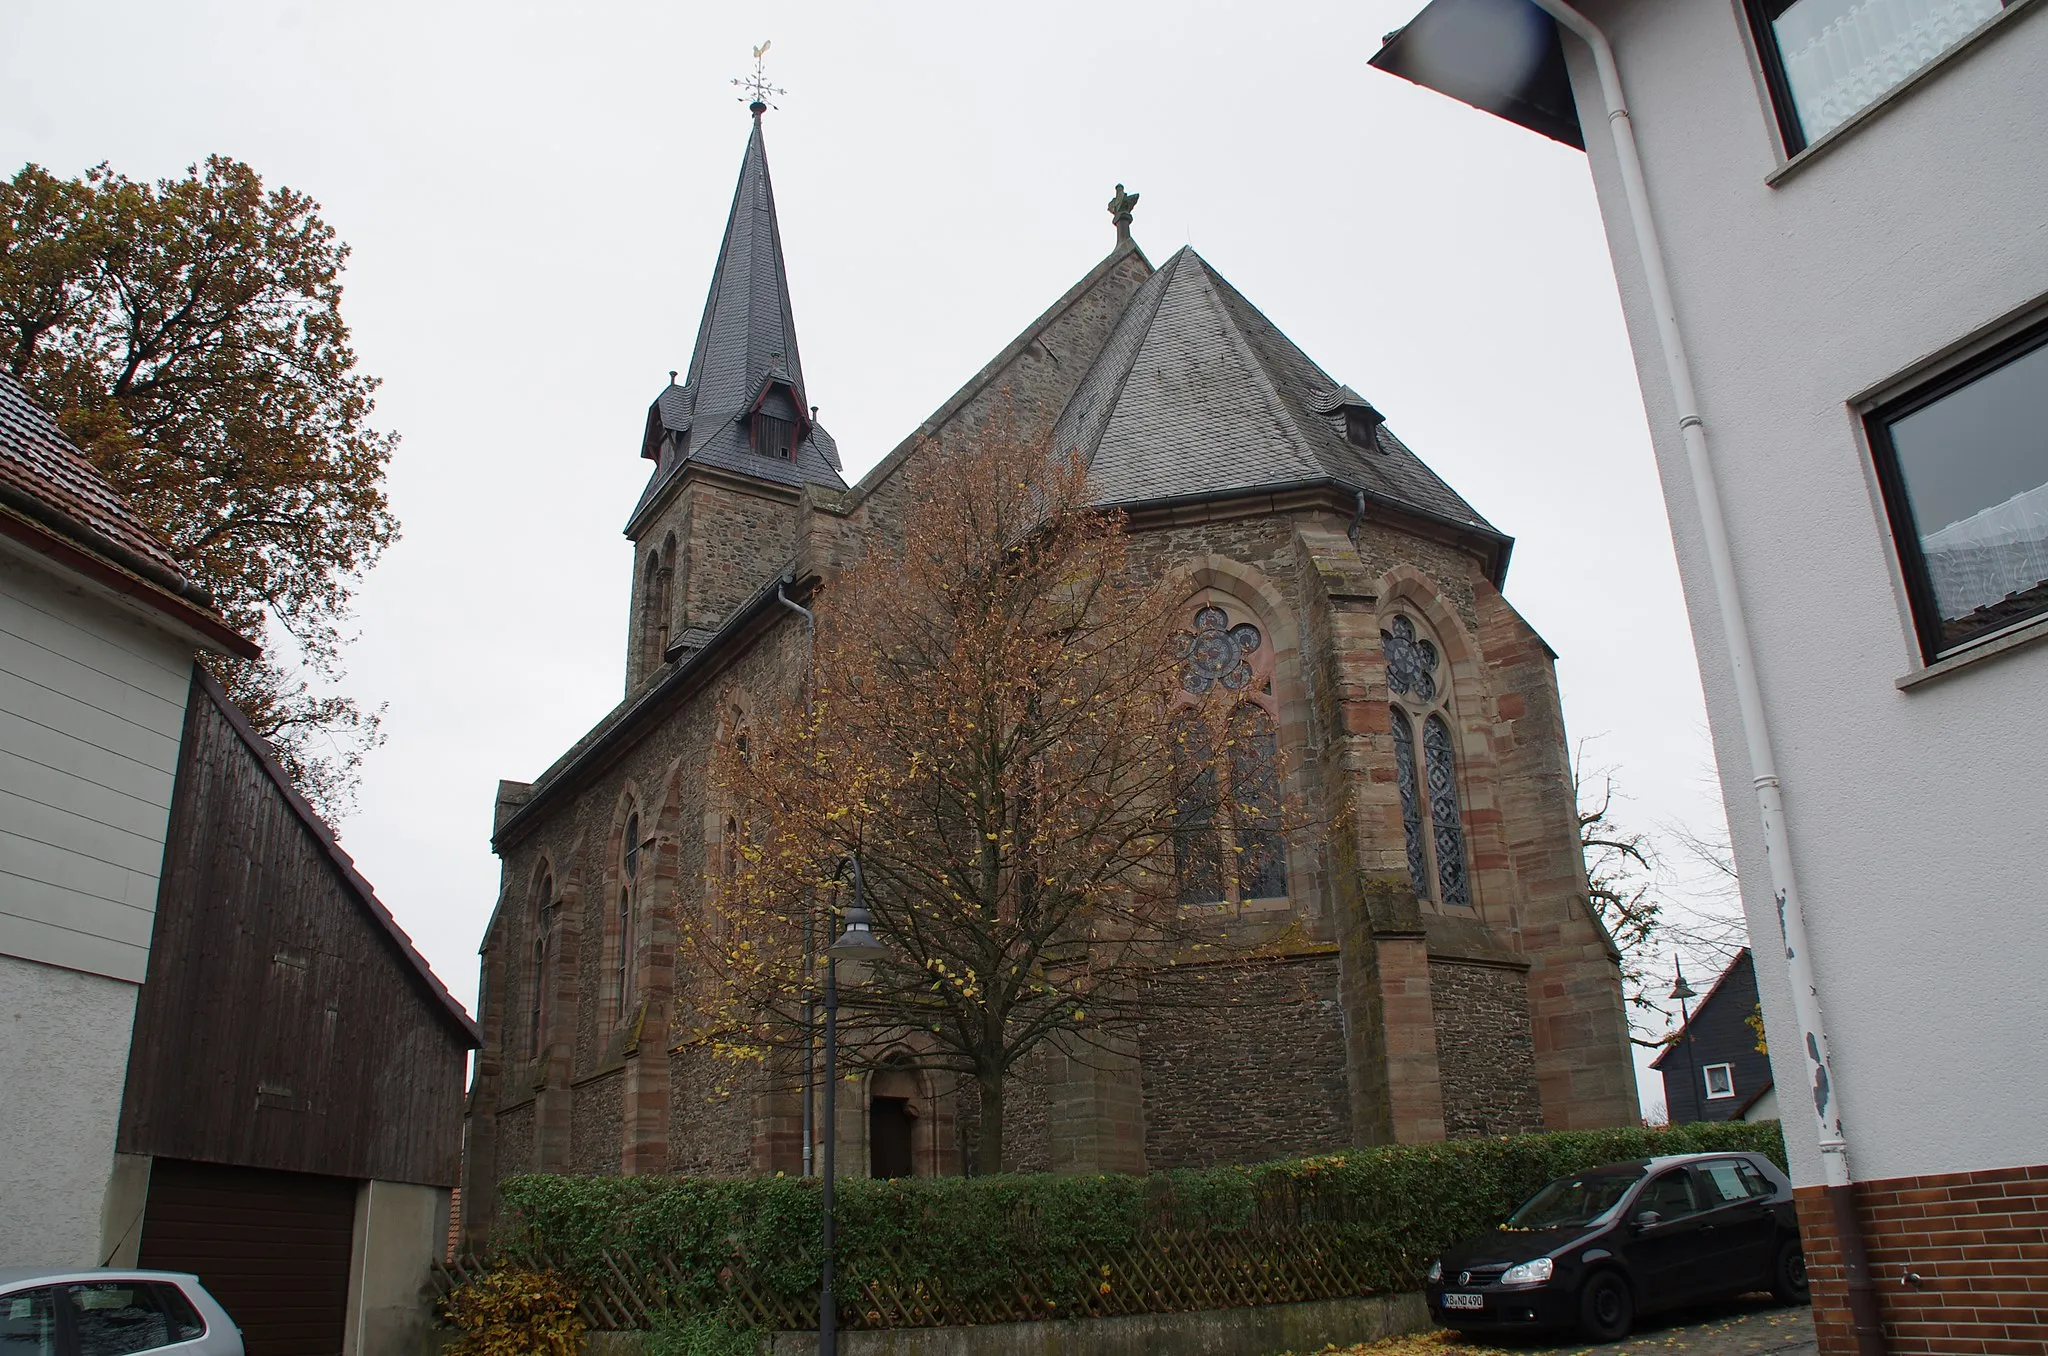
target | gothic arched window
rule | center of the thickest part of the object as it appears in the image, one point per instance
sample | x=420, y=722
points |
x=543, y=920
x=1227, y=842
x=629, y=875
x=1432, y=825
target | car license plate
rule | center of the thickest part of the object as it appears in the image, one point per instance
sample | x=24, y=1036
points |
x=1456, y=1301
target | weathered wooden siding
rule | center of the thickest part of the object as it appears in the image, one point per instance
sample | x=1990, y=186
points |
x=91, y=703
x=285, y=1023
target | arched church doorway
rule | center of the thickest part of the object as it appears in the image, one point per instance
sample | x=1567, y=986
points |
x=892, y=1123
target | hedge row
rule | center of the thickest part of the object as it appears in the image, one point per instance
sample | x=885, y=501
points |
x=1396, y=1206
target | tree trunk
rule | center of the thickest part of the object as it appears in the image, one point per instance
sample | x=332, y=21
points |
x=988, y=1156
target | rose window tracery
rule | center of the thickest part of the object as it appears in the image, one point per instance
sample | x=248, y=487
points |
x=1411, y=662
x=1216, y=653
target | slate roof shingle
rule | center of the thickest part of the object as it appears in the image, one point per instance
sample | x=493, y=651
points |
x=1197, y=394
x=746, y=339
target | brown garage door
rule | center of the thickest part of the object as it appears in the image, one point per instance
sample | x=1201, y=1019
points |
x=273, y=1247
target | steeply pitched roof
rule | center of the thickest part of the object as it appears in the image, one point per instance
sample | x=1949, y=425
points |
x=48, y=481
x=1198, y=394
x=746, y=343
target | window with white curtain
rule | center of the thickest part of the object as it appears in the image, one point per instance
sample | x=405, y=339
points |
x=1830, y=59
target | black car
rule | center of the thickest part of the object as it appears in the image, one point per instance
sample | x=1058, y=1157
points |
x=1593, y=1250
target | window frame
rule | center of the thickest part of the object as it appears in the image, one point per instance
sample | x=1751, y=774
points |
x=1778, y=83
x=1921, y=602
x=1707, y=1072
x=1259, y=693
x=1402, y=706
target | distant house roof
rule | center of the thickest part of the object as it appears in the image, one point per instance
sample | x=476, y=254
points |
x=1198, y=395
x=56, y=502
x=1500, y=56
x=746, y=350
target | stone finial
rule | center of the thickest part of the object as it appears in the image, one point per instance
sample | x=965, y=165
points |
x=1120, y=212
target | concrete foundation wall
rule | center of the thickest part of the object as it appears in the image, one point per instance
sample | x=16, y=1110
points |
x=400, y=1230
x=1211, y=1332
x=63, y=1061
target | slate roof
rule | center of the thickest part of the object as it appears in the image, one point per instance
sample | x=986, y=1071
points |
x=1198, y=394
x=746, y=342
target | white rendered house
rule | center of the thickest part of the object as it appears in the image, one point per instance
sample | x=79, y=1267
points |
x=1829, y=225
x=97, y=636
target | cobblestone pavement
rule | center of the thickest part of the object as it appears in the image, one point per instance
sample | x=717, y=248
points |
x=1752, y=1326
x=1744, y=1327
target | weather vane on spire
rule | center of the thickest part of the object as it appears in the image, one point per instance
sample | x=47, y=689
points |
x=756, y=85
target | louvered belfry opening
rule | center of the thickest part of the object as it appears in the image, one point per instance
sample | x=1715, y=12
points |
x=773, y=437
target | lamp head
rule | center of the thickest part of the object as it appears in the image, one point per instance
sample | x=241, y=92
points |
x=856, y=950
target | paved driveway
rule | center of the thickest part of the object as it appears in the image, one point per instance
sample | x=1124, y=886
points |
x=1744, y=1327
x=1741, y=1327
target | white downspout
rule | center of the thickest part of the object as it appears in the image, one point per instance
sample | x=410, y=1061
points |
x=1826, y=1094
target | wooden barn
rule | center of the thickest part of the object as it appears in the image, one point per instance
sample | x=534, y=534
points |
x=292, y=1122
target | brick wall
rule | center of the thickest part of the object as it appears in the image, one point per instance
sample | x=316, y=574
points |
x=1484, y=1058
x=1265, y=1082
x=1978, y=1243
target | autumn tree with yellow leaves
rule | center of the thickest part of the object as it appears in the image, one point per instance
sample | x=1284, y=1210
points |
x=997, y=728
x=188, y=335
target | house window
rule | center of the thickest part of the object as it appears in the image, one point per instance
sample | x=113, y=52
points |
x=1227, y=845
x=1425, y=765
x=1720, y=1081
x=1827, y=60
x=1964, y=468
x=773, y=437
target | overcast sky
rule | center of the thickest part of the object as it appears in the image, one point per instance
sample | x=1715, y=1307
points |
x=535, y=193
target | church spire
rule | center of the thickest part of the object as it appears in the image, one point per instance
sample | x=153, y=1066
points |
x=742, y=404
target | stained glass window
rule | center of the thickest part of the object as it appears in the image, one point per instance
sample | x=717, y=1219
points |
x=1411, y=663
x=1255, y=803
x=1448, y=825
x=1432, y=826
x=1216, y=653
x=1197, y=843
x=632, y=862
x=1411, y=801
x=543, y=918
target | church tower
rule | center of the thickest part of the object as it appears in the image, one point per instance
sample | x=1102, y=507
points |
x=733, y=444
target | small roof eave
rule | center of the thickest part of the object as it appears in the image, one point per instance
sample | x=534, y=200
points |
x=1502, y=57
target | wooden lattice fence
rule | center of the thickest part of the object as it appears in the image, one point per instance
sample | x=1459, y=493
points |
x=1167, y=1271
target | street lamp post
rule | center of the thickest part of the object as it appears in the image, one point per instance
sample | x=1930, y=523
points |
x=858, y=949
x=1683, y=992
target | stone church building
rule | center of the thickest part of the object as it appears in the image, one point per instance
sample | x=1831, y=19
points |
x=1453, y=980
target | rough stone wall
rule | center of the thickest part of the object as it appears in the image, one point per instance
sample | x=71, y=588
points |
x=1484, y=1059
x=515, y=1149
x=711, y=1116
x=1268, y=1081
x=1027, y=1107
x=594, y=1127
x=1029, y=383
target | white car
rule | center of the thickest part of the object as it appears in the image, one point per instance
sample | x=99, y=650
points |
x=110, y=1313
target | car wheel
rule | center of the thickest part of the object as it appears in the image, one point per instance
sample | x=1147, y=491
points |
x=1788, y=1275
x=1606, y=1308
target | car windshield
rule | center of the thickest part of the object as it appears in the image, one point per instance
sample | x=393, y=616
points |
x=1570, y=1201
